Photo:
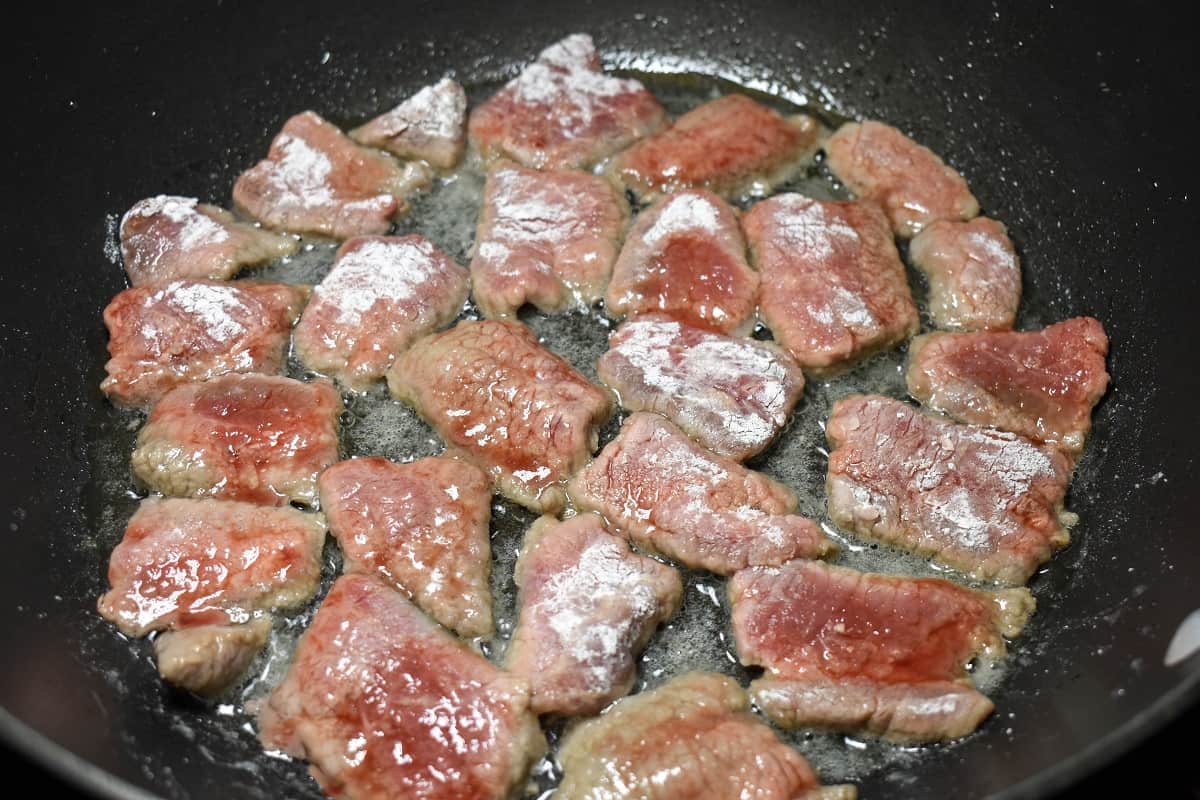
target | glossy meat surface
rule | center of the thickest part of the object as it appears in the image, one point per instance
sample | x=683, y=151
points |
x=507, y=404
x=184, y=563
x=667, y=493
x=985, y=502
x=833, y=286
x=546, y=237
x=430, y=125
x=258, y=438
x=382, y=293
x=691, y=738
x=685, y=257
x=184, y=331
x=730, y=394
x=729, y=145
x=562, y=111
x=385, y=704
x=974, y=276
x=316, y=180
x=1040, y=384
x=167, y=237
x=422, y=527
x=588, y=605
x=912, y=185
x=883, y=654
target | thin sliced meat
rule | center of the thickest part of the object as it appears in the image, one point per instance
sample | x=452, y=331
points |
x=861, y=652
x=316, y=180
x=383, y=293
x=730, y=394
x=974, y=276
x=694, y=738
x=546, y=237
x=505, y=403
x=685, y=257
x=912, y=185
x=167, y=237
x=422, y=527
x=1040, y=384
x=731, y=145
x=985, y=502
x=833, y=285
x=430, y=125
x=562, y=111
x=259, y=438
x=207, y=574
x=667, y=493
x=588, y=605
x=167, y=335
x=385, y=704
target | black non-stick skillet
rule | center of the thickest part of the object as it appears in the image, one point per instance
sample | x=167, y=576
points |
x=1074, y=128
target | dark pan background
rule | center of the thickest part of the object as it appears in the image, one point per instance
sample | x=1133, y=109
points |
x=1076, y=130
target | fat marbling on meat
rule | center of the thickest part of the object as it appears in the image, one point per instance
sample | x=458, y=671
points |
x=667, y=493
x=985, y=502
x=730, y=394
x=382, y=293
x=315, y=179
x=507, y=404
x=167, y=237
x=911, y=183
x=973, y=272
x=384, y=703
x=880, y=654
x=206, y=573
x=685, y=257
x=693, y=737
x=833, y=285
x=422, y=527
x=1040, y=384
x=588, y=605
x=429, y=126
x=259, y=438
x=730, y=145
x=184, y=331
x=562, y=111
x=546, y=237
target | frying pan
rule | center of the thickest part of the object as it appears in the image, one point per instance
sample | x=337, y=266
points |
x=1075, y=131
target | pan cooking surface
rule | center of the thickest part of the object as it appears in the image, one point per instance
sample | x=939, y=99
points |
x=199, y=98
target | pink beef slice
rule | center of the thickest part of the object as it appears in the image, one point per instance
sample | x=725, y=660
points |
x=693, y=737
x=1040, y=384
x=422, y=527
x=505, y=403
x=973, y=272
x=429, y=126
x=316, y=180
x=588, y=605
x=833, y=285
x=385, y=704
x=685, y=257
x=259, y=438
x=658, y=487
x=730, y=394
x=166, y=238
x=985, y=502
x=730, y=146
x=545, y=237
x=206, y=574
x=860, y=652
x=184, y=331
x=912, y=185
x=562, y=111
x=382, y=293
